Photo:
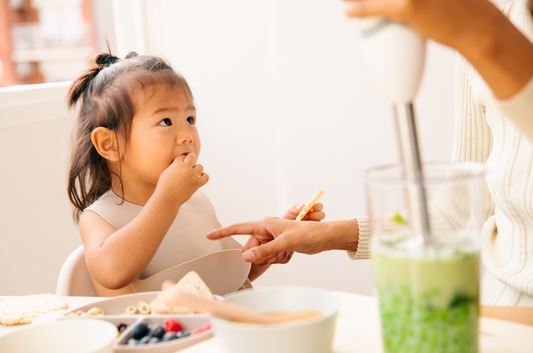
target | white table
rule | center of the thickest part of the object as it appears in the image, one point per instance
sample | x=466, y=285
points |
x=358, y=329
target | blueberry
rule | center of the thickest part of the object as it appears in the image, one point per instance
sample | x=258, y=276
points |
x=183, y=333
x=169, y=336
x=157, y=331
x=154, y=340
x=132, y=342
x=140, y=330
x=145, y=339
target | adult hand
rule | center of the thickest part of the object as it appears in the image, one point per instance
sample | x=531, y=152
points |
x=501, y=54
x=446, y=21
x=274, y=235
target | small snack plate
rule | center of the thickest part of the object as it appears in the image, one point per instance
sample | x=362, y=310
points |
x=115, y=313
x=117, y=306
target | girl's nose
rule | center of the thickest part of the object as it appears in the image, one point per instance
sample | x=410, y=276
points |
x=185, y=137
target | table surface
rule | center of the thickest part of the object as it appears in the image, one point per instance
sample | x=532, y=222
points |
x=357, y=329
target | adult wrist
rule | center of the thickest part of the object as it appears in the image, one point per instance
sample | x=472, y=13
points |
x=343, y=235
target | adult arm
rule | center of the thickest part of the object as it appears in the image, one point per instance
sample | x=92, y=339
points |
x=279, y=235
x=501, y=54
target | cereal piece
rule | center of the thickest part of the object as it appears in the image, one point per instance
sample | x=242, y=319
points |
x=310, y=204
x=80, y=312
x=24, y=309
x=95, y=312
x=143, y=308
x=131, y=310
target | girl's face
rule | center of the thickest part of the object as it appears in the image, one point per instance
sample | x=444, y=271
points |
x=163, y=129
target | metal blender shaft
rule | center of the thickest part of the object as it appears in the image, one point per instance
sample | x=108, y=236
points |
x=417, y=199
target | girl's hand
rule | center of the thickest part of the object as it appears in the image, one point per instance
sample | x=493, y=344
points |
x=182, y=179
x=314, y=214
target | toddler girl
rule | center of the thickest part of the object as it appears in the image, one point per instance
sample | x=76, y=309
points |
x=133, y=178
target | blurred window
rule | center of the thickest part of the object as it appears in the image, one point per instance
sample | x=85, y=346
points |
x=43, y=41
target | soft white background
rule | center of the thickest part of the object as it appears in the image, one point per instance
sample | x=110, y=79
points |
x=285, y=107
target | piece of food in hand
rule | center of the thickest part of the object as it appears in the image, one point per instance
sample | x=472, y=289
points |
x=310, y=204
x=191, y=283
x=24, y=309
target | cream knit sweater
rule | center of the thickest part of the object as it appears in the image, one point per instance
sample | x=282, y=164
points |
x=499, y=134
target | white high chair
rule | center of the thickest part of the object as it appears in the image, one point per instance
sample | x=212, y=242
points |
x=74, y=278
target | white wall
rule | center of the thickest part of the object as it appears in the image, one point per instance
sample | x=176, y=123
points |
x=285, y=107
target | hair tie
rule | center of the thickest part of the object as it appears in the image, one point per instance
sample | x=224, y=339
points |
x=104, y=60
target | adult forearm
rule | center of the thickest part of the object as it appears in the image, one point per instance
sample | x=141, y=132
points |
x=500, y=53
x=342, y=235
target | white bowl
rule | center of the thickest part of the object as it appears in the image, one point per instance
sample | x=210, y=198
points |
x=313, y=335
x=65, y=336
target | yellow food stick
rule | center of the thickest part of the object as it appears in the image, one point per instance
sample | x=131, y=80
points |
x=310, y=204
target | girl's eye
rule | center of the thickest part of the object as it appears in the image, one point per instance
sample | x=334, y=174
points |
x=165, y=122
x=190, y=120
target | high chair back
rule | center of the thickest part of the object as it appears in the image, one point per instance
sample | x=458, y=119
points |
x=74, y=278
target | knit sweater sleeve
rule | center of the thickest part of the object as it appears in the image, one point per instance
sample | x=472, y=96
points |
x=472, y=134
x=363, y=245
x=519, y=109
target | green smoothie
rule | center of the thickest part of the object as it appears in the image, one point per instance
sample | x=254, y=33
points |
x=428, y=296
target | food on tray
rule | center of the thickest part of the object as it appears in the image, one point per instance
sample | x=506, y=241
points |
x=24, y=309
x=144, y=308
x=191, y=283
x=94, y=311
x=202, y=329
x=154, y=333
x=121, y=327
x=131, y=310
x=310, y=204
x=171, y=325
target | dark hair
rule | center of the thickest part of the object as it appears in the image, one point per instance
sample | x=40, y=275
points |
x=107, y=92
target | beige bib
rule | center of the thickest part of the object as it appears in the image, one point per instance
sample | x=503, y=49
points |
x=184, y=247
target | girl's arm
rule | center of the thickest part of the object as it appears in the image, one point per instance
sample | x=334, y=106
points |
x=256, y=271
x=117, y=257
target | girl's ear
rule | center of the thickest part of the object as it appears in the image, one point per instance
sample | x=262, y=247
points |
x=105, y=142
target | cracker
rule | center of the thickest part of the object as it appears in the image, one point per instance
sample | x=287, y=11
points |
x=24, y=309
x=310, y=204
x=191, y=283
